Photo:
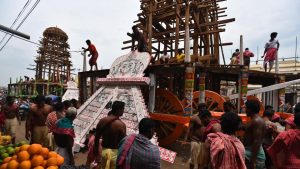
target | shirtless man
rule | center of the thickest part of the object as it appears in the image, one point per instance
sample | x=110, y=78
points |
x=112, y=130
x=11, y=112
x=139, y=37
x=194, y=133
x=253, y=138
x=36, y=128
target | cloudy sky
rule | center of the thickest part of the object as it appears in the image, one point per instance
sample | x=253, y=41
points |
x=107, y=22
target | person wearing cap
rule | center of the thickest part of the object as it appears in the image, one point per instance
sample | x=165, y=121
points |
x=64, y=136
x=270, y=53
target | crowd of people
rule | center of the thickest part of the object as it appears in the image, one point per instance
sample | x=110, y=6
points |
x=51, y=125
x=267, y=142
x=47, y=123
x=111, y=148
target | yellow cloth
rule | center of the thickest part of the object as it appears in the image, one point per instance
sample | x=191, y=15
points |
x=109, y=158
x=51, y=144
x=11, y=126
x=40, y=135
x=180, y=57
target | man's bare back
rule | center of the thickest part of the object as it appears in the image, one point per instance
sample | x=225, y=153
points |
x=255, y=131
x=113, y=132
x=38, y=115
x=253, y=140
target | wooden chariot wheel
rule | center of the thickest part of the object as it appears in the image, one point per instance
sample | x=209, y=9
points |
x=169, y=113
x=213, y=100
x=169, y=116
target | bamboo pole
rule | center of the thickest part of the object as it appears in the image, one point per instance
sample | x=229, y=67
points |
x=187, y=58
x=241, y=51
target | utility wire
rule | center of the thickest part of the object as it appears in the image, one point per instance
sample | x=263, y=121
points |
x=29, y=12
x=21, y=38
x=15, y=21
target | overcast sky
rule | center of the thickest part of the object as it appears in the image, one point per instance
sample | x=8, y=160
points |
x=106, y=23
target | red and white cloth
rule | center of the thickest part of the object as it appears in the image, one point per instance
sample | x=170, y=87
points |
x=271, y=53
x=226, y=152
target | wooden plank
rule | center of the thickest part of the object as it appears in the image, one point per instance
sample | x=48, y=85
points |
x=199, y=35
x=217, y=22
x=169, y=118
x=268, y=88
x=216, y=37
x=164, y=16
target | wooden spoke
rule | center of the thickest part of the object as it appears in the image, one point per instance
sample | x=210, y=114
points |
x=166, y=103
x=168, y=106
x=213, y=101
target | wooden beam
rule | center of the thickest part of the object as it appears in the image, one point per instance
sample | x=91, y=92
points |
x=217, y=22
x=150, y=27
x=182, y=36
x=177, y=27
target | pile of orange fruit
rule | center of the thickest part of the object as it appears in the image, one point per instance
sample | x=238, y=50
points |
x=33, y=156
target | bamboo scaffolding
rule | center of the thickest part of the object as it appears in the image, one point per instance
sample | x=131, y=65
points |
x=164, y=24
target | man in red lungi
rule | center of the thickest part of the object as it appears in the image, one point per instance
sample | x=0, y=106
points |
x=270, y=53
x=93, y=51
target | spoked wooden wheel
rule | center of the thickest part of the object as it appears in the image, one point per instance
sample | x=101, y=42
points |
x=168, y=114
x=213, y=100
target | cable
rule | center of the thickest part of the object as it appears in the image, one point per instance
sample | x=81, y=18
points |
x=15, y=21
x=21, y=38
x=32, y=8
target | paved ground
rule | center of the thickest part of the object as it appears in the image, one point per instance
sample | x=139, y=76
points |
x=181, y=161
